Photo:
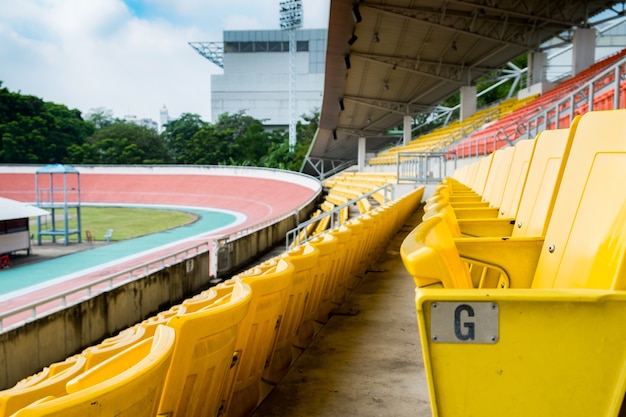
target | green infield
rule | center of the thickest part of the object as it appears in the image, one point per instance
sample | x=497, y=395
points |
x=127, y=222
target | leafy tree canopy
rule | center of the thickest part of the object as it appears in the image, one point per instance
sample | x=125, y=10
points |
x=37, y=132
x=148, y=147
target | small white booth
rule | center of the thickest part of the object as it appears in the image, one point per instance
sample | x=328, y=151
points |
x=14, y=227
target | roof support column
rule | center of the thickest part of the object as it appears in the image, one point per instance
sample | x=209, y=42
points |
x=406, y=129
x=361, y=154
x=468, y=101
x=584, y=49
x=536, y=66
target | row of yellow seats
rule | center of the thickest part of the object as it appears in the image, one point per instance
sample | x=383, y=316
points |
x=543, y=335
x=221, y=351
x=349, y=183
x=446, y=135
x=343, y=188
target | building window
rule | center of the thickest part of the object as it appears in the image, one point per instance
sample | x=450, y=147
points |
x=264, y=46
x=231, y=46
x=14, y=225
x=275, y=46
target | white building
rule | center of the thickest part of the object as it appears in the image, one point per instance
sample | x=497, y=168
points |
x=256, y=74
x=164, y=118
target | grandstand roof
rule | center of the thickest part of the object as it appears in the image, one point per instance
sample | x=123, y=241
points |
x=388, y=58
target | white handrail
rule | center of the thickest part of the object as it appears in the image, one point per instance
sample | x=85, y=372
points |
x=64, y=299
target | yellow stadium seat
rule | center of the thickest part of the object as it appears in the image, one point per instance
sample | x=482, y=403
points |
x=322, y=226
x=482, y=173
x=197, y=302
x=350, y=275
x=538, y=190
x=494, y=173
x=257, y=335
x=109, y=347
x=327, y=246
x=512, y=189
x=127, y=384
x=327, y=303
x=304, y=259
x=498, y=175
x=558, y=346
x=203, y=353
x=512, y=258
x=49, y=382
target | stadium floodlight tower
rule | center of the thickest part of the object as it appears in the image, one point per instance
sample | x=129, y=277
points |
x=290, y=20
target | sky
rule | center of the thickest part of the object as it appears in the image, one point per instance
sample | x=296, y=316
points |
x=127, y=56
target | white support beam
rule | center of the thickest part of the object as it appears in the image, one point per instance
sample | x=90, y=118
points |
x=406, y=128
x=361, y=154
x=468, y=101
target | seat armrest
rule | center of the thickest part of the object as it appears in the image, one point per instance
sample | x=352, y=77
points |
x=517, y=257
x=486, y=227
x=476, y=212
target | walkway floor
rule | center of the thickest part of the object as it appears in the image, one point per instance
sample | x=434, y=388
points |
x=368, y=364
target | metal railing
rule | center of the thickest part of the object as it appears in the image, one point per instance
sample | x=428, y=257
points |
x=424, y=167
x=48, y=305
x=577, y=99
x=300, y=235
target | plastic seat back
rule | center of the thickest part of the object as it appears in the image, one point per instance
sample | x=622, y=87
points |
x=127, y=384
x=109, y=347
x=257, y=335
x=482, y=172
x=498, y=176
x=50, y=382
x=327, y=246
x=542, y=182
x=339, y=260
x=304, y=259
x=429, y=254
x=514, y=186
x=203, y=354
x=589, y=209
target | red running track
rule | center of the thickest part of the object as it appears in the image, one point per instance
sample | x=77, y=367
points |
x=260, y=195
x=259, y=199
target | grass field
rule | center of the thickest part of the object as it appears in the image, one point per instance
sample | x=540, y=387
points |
x=126, y=222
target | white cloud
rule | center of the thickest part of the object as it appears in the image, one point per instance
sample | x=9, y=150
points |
x=100, y=53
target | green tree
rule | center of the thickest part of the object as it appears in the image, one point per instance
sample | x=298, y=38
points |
x=118, y=151
x=248, y=140
x=148, y=143
x=235, y=139
x=278, y=154
x=208, y=147
x=82, y=154
x=100, y=117
x=306, y=131
x=35, y=131
x=178, y=134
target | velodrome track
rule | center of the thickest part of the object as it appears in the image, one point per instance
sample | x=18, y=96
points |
x=256, y=197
